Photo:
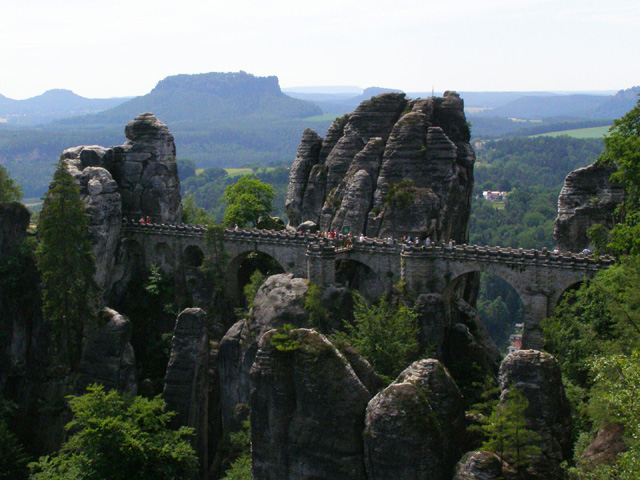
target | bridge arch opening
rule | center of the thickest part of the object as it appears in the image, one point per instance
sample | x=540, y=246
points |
x=241, y=269
x=357, y=276
x=499, y=306
x=193, y=256
x=567, y=292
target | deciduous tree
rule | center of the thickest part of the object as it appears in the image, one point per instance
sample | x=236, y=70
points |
x=115, y=437
x=246, y=201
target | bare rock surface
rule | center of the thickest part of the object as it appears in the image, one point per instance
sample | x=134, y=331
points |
x=186, y=385
x=537, y=376
x=103, y=203
x=481, y=465
x=413, y=425
x=609, y=442
x=307, y=411
x=107, y=354
x=279, y=300
x=587, y=198
x=388, y=143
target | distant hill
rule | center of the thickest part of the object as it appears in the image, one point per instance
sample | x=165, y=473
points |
x=575, y=106
x=52, y=105
x=207, y=98
x=335, y=101
x=217, y=119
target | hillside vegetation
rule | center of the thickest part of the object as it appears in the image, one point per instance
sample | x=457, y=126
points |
x=217, y=119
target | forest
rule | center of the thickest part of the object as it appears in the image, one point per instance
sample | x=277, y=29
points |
x=594, y=334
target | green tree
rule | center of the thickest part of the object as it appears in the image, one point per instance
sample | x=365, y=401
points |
x=250, y=290
x=13, y=459
x=507, y=433
x=246, y=201
x=622, y=148
x=616, y=380
x=10, y=191
x=65, y=259
x=116, y=437
x=240, y=451
x=386, y=335
x=193, y=214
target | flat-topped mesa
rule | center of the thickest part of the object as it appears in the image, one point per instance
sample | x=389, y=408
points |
x=392, y=167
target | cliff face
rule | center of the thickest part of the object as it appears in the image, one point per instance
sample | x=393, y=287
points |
x=392, y=167
x=587, y=198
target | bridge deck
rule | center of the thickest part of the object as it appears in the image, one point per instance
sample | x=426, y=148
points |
x=485, y=253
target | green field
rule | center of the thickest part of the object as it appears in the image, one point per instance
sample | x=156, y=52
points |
x=592, y=132
x=325, y=117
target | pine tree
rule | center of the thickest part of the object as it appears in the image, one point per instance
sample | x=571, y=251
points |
x=69, y=293
x=507, y=432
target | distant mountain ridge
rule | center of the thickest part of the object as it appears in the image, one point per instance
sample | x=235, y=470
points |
x=206, y=98
x=52, y=105
x=571, y=106
x=217, y=119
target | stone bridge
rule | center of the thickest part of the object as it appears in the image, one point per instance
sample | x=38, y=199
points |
x=539, y=277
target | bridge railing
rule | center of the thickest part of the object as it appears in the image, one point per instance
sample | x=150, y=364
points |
x=477, y=252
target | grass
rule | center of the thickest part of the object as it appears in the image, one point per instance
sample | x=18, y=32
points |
x=325, y=117
x=592, y=132
x=236, y=172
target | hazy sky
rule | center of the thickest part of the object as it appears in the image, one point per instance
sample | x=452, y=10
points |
x=124, y=47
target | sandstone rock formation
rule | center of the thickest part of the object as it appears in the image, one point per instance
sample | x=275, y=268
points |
x=144, y=169
x=537, y=376
x=482, y=465
x=107, y=355
x=186, y=385
x=103, y=204
x=413, y=426
x=279, y=300
x=134, y=180
x=307, y=411
x=587, y=198
x=392, y=167
x=609, y=442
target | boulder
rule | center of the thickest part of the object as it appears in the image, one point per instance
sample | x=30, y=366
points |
x=307, y=410
x=107, y=354
x=481, y=465
x=414, y=425
x=588, y=197
x=537, y=375
x=186, y=385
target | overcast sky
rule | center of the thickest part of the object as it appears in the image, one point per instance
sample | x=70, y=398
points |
x=106, y=48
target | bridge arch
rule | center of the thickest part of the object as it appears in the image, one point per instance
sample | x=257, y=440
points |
x=568, y=286
x=193, y=256
x=241, y=267
x=464, y=282
x=359, y=276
